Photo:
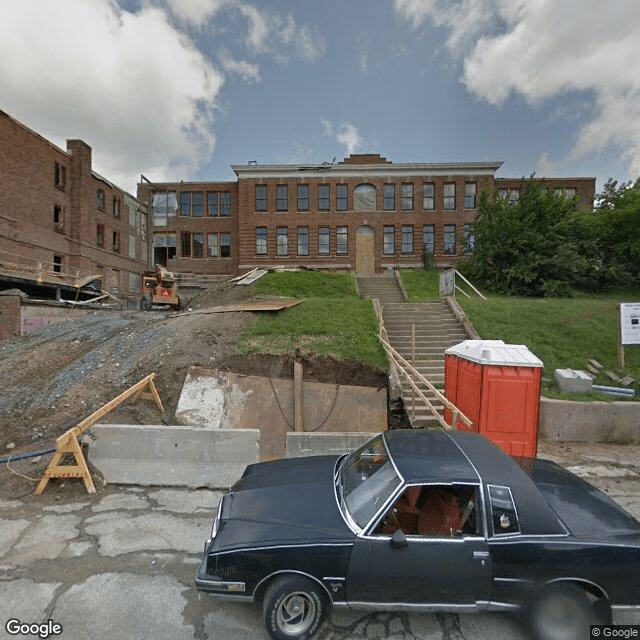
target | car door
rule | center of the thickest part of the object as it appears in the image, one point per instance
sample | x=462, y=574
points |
x=427, y=568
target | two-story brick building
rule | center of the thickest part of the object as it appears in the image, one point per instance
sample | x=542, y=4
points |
x=58, y=217
x=364, y=214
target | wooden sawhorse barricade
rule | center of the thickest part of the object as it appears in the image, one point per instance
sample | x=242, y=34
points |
x=68, y=443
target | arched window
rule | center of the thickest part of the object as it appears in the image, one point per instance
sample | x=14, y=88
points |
x=364, y=198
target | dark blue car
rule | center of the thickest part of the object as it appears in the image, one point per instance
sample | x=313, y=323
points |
x=423, y=520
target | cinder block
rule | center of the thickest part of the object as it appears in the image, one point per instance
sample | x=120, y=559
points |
x=573, y=381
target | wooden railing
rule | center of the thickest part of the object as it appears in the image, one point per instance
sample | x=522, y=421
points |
x=415, y=379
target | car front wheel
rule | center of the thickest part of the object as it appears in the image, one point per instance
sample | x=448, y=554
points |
x=294, y=608
x=561, y=612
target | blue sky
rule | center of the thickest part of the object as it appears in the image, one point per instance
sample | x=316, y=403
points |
x=182, y=89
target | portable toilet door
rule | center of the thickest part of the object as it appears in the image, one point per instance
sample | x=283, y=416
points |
x=497, y=386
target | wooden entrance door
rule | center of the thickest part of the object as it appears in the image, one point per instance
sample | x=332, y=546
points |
x=365, y=262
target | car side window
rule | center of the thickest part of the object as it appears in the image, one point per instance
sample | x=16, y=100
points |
x=503, y=511
x=433, y=511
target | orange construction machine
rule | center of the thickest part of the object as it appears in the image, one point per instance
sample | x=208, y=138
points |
x=159, y=287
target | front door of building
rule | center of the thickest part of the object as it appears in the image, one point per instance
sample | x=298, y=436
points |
x=365, y=262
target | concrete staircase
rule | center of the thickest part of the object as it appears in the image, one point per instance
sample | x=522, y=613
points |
x=436, y=329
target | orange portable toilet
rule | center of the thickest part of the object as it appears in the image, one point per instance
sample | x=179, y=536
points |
x=497, y=386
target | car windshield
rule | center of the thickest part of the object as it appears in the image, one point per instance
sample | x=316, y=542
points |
x=367, y=479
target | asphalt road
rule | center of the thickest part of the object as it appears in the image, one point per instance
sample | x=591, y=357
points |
x=121, y=564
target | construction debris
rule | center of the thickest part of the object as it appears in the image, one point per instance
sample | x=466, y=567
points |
x=265, y=305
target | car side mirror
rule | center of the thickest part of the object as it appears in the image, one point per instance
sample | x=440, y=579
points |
x=399, y=539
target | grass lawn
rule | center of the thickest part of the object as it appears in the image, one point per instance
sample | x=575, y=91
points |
x=562, y=332
x=332, y=320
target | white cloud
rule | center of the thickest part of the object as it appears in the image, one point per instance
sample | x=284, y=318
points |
x=130, y=85
x=347, y=134
x=541, y=48
x=248, y=71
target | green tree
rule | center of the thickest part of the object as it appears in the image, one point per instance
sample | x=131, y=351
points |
x=616, y=225
x=537, y=246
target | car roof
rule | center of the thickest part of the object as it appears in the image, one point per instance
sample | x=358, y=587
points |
x=429, y=455
x=425, y=456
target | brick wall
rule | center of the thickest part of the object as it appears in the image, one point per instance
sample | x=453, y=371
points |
x=49, y=211
x=9, y=316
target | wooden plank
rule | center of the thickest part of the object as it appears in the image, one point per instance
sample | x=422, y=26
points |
x=613, y=376
x=265, y=305
x=594, y=363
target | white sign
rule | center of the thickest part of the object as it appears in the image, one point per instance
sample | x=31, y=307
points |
x=630, y=323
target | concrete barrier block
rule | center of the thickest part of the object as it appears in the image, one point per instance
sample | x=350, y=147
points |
x=300, y=444
x=573, y=381
x=172, y=455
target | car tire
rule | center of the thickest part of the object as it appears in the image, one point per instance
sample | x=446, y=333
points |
x=561, y=612
x=294, y=608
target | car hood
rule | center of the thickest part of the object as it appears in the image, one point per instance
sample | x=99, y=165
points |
x=283, y=502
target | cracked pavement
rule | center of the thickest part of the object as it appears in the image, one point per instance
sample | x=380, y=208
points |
x=121, y=563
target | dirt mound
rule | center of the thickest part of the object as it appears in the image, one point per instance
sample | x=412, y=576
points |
x=316, y=369
x=57, y=376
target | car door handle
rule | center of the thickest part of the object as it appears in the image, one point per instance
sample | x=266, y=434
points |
x=480, y=554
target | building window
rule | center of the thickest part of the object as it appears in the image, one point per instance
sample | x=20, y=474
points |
x=364, y=197
x=164, y=247
x=469, y=195
x=303, y=241
x=570, y=192
x=132, y=246
x=469, y=238
x=407, y=197
x=185, y=244
x=59, y=176
x=212, y=204
x=212, y=245
x=323, y=197
x=261, y=241
x=449, y=244
x=389, y=197
x=303, y=197
x=196, y=204
x=198, y=248
x=428, y=238
x=165, y=206
x=282, y=197
x=342, y=197
x=323, y=241
x=503, y=193
x=115, y=241
x=116, y=208
x=57, y=264
x=100, y=235
x=514, y=195
x=407, y=240
x=100, y=199
x=225, y=245
x=261, y=197
x=450, y=196
x=58, y=217
x=429, y=196
x=185, y=203
x=342, y=240
x=388, y=241
x=282, y=241
x=225, y=204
